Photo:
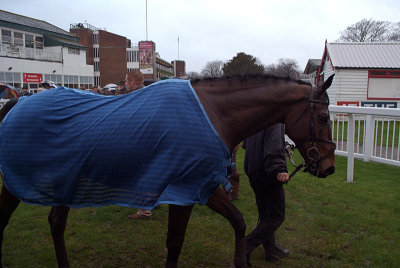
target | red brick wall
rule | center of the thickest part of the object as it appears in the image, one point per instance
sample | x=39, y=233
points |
x=112, y=57
x=180, y=68
x=85, y=36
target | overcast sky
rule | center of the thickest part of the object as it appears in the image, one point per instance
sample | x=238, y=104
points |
x=211, y=30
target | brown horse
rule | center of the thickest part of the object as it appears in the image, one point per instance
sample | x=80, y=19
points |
x=237, y=107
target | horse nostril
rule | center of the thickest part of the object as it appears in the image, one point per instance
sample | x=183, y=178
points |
x=330, y=171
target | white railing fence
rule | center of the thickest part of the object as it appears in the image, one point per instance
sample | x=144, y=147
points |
x=367, y=133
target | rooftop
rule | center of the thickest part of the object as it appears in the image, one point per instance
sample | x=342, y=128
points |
x=30, y=22
x=365, y=55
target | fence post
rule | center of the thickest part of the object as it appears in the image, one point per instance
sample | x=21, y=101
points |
x=350, y=148
x=369, y=137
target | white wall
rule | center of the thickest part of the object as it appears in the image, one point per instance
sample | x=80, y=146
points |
x=28, y=66
x=76, y=64
x=73, y=64
x=351, y=85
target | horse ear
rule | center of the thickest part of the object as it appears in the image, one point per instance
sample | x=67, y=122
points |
x=327, y=83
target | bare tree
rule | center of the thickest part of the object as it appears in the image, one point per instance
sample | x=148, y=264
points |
x=284, y=68
x=367, y=30
x=213, y=69
x=194, y=75
x=394, y=34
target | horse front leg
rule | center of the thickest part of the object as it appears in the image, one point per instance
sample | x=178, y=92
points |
x=58, y=221
x=178, y=219
x=220, y=203
x=8, y=204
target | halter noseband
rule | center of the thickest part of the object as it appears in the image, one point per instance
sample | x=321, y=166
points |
x=313, y=153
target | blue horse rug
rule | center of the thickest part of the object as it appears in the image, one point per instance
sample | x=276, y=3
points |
x=76, y=148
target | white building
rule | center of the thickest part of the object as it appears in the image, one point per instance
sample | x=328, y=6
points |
x=366, y=74
x=33, y=50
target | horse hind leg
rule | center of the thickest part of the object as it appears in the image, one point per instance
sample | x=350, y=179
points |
x=58, y=221
x=178, y=218
x=8, y=204
x=220, y=203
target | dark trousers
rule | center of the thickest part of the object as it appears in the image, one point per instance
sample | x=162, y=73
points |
x=270, y=199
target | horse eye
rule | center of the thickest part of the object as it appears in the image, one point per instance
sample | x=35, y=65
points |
x=323, y=118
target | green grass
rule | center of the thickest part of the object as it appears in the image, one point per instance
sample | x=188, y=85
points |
x=329, y=223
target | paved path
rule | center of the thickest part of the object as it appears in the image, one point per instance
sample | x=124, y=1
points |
x=358, y=148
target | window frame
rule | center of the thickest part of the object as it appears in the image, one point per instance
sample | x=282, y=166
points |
x=29, y=43
x=18, y=41
x=5, y=40
x=382, y=74
x=39, y=44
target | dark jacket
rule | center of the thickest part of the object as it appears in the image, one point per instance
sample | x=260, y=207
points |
x=265, y=153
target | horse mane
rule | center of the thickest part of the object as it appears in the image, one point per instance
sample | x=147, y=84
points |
x=244, y=78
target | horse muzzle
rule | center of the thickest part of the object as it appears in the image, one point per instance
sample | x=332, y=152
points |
x=326, y=172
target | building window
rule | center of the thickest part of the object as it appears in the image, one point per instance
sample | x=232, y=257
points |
x=73, y=50
x=71, y=81
x=34, y=86
x=394, y=73
x=13, y=79
x=96, y=52
x=384, y=74
x=29, y=40
x=132, y=56
x=383, y=84
x=6, y=36
x=86, y=81
x=56, y=78
x=97, y=66
x=18, y=39
x=39, y=42
x=97, y=80
x=96, y=39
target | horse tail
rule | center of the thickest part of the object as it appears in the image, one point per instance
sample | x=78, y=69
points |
x=7, y=107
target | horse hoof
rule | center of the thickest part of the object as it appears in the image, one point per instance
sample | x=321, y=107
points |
x=248, y=260
x=171, y=264
x=236, y=265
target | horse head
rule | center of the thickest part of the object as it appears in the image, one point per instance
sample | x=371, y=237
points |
x=311, y=131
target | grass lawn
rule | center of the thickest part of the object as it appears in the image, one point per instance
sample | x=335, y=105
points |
x=329, y=223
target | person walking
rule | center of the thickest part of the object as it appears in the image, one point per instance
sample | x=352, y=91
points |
x=134, y=81
x=265, y=165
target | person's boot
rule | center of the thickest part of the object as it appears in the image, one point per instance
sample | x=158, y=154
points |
x=251, y=244
x=275, y=253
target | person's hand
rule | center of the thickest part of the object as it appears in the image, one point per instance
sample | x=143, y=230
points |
x=283, y=177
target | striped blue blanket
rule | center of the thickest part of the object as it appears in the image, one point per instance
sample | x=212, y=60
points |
x=70, y=147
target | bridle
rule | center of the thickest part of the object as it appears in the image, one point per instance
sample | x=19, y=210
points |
x=313, y=153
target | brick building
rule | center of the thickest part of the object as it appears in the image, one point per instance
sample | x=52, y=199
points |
x=33, y=50
x=179, y=68
x=106, y=51
x=113, y=55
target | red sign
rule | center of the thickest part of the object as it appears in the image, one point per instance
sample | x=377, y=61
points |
x=348, y=103
x=146, y=45
x=146, y=57
x=32, y=78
